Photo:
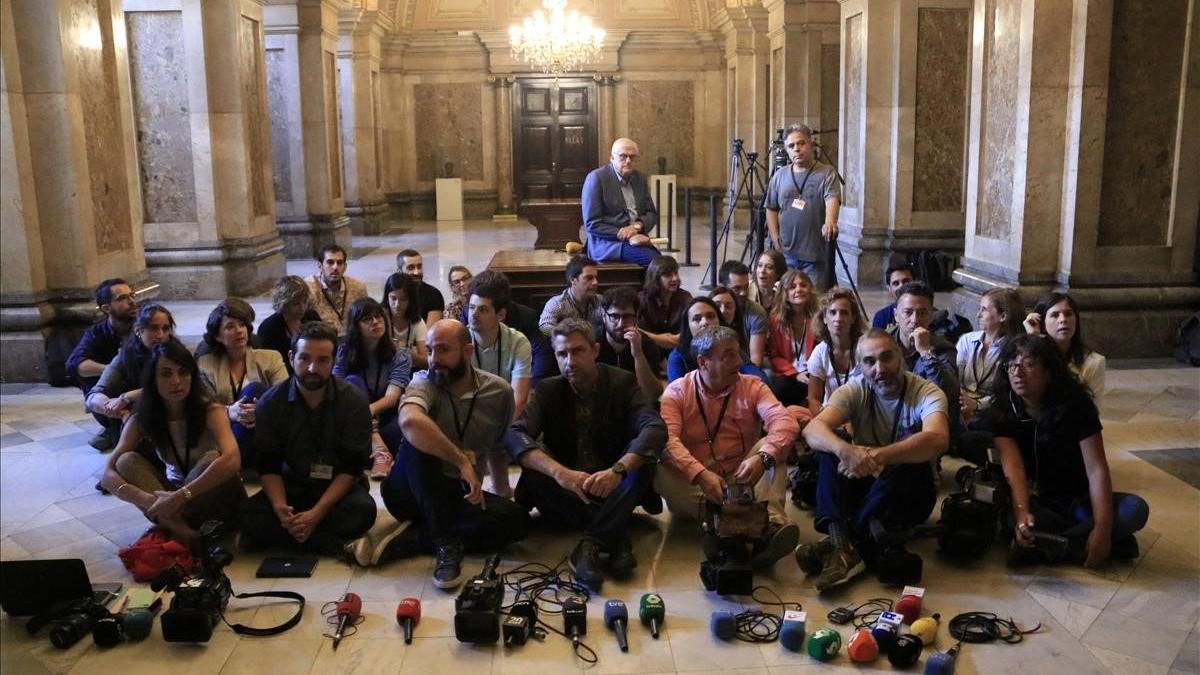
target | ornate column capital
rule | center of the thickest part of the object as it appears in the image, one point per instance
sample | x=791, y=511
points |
x=501, y=80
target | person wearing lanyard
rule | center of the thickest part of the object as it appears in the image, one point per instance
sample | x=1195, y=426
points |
x=1000, y=316
x=900, y=424
x=191, y=436
x=838, y=326
x=714, y=415
x=369, y=361
x=331, y=290
x=502, y=351
x=450, y=413
x=926, y=354
x=792, y=338
x=802, y=205
x=580, y=299
x=236, y=373
x=407, y=327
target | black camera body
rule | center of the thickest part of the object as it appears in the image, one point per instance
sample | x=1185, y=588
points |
x=731, y=530
x=199, y=599
x=68, y=621
x=971, y=517
x=477, y=607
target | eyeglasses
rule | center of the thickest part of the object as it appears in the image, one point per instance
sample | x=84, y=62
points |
x=459, y=282
x=373, y=318
x=122, y=297
x=617, y=316
x=624, y=157
x=1024, y=365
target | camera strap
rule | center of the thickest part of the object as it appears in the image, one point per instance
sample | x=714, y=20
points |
x=242, y=629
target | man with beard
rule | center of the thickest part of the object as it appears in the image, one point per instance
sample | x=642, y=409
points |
x=802, y=206
x=617, y=209
x=599, y=442
x=333, y=292
x=99, y=345
x=624, y=345
x=900, y=424
x=926, y=354
x=579, y=301
x=449, y=414
x=430, y=301
x=313, y=433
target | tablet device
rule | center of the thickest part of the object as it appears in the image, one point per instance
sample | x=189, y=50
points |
x=287, y=566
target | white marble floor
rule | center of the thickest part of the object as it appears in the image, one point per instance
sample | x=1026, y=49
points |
x=1127, y=618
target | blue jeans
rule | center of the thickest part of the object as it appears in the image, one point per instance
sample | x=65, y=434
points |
x=901, y=497
x=389, y=420
x=243, y=434
x=1072, y=518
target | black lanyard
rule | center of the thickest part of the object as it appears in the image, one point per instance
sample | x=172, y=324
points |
x=800, y=186
x=712, y=435
x=876, y=403
x=461, y=430
x=318, y=414
x=325, y=292
x=185, y=462
x=409, y=340
x=375, y=395
x=838, y=377
x=499, y=350
x=798, y=345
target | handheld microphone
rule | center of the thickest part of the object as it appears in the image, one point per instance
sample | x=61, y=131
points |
x=574, y=619
x=885, y=629
x=905, y=651
x=138, y=622
x=723, y=624
x=347, y=611
x=652, y=612
x=616, y=617
x=408, y=615
x=909, y=604
x=941, y=663
x=791, y=633
x=824, y=644
x=862, y=647
x=926, y=628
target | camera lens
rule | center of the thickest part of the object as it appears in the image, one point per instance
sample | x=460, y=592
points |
x=67, y=630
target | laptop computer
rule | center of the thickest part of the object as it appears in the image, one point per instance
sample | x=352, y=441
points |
x=28, y=587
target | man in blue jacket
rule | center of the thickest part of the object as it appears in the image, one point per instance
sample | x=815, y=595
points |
x=617, y=209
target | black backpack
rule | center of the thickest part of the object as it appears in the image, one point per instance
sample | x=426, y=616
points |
x=1187, y=340
x=934, y=268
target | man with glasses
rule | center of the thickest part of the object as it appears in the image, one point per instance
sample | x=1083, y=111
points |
x=99, y=345
x=617, y=209
x=624, y=345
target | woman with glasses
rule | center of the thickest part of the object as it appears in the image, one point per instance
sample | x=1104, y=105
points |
x=407, y=327
x=369, y=360
x=1057, y=316
x=460, y=281
x=1048, y=436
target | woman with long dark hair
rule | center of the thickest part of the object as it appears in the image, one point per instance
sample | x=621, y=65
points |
x=407, y=331
x=769, y=270
x=1057, y=317
x=1048, y=435
x=119, y=387
x=368, y=359
x=663, y=302
x=190, y=435
x=792, y=337
x=838, y=324
x=1001, y=311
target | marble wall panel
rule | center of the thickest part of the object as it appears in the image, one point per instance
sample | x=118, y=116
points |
x=333, y=133
x=254, y=102
x=449, y=128
x=95, y=63
x=1001, y=62
x=943, y=52
x=852, y=161
x=377, y=127
x=831, y=78
x=160, y=113
x=662, y=121
x=1143, y=117
x=277, y=109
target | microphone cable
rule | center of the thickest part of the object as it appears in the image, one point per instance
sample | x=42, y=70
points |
x=982, y=627
x=862, y=616
x=760, y=626
x=548, y=588
x=329, y=611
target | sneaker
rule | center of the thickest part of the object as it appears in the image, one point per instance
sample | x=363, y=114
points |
x=381, y=463
x=447, y=571
x=101, y=442
x=369, y=549
x=841, y=566
x=585, y=563
x=1024, y=556
x=811, y=557
x=620, y=558
x=1125, y=549
x=781, y=539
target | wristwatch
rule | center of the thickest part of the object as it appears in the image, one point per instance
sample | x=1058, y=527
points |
x=767, y=458
x=618, y=468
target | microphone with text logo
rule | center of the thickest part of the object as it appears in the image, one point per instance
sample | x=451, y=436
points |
x=408, y=615
x=574, y=620
x=791, y=634
x=347, y=612
x=616, y=617
x=653, y=612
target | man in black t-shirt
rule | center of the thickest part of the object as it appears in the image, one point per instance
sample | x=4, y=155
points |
x=624, y=345
x=429, y=298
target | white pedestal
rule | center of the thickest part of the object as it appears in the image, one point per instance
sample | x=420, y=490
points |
x=449, y=192
x=658, y=192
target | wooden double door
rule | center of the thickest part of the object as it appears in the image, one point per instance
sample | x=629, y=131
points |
x=554, y=139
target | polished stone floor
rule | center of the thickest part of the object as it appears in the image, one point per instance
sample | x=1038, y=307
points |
x=1126, y=618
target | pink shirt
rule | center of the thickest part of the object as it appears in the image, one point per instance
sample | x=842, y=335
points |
x=751, y=406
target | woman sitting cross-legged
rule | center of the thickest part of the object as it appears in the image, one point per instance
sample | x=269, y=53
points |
x=1049, y=438
x=191, y=436
x=369, y=360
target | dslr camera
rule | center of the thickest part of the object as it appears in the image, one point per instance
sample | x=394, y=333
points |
x=732, y=530
x=477, y=607
x=971, y=517
x=200, y=598
x=68, y=621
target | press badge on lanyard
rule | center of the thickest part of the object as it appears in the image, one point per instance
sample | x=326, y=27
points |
x=798, y=204
x=321, y=471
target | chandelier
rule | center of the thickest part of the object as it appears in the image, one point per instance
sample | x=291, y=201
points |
x=558, y=42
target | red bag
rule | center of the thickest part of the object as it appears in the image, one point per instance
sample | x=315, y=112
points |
x=153, y=553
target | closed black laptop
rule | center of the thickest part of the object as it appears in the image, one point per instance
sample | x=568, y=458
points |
x=28, y=587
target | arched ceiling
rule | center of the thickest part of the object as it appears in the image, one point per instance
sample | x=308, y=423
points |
x=407, y=15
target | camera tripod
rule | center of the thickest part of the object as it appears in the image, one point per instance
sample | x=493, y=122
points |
x=833, y=252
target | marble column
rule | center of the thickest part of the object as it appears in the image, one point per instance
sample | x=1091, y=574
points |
x=199, y=106
x=504, y=147
x=607, y=111
x=306, y=141
x=1086, y=177
x=71, y=213
x=904, y=130
x=362, y=134
x=803, y=36
x=747, y=55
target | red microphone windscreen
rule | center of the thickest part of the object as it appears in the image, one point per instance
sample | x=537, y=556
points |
x=409, y=608
x=909, y=606
x=350, y=604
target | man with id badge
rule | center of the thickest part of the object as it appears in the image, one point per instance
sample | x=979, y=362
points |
x=901, y=425
x=802, y=205
x=450, y=414
x=313, y=433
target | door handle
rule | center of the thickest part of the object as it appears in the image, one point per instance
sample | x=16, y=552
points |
x=554, y=167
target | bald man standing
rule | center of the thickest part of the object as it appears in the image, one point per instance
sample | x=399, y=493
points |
x=617, y=209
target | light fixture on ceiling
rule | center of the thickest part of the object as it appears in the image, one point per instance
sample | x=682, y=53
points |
x=557, y=42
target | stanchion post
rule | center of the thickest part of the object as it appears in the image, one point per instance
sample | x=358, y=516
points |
x=687, y=229
x=657, y=204
x=671, y=218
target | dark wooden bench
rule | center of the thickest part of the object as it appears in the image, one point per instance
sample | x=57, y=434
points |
x=557, y=221
x=538, y=275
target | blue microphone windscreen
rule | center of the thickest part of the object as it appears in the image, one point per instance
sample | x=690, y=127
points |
x=723, y=625
x=615, y=610
x=791, y=634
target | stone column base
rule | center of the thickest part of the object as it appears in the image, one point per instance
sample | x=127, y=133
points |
x=368, y=217
x=304, y=237
x=233, y=267
x=869, y=255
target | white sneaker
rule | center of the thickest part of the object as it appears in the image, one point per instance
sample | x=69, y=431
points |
x=369, y=548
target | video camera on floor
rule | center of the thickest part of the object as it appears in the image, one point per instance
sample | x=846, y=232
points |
x=477, y=607
x=200, y=598
x=971, y=517
x=731, y=531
